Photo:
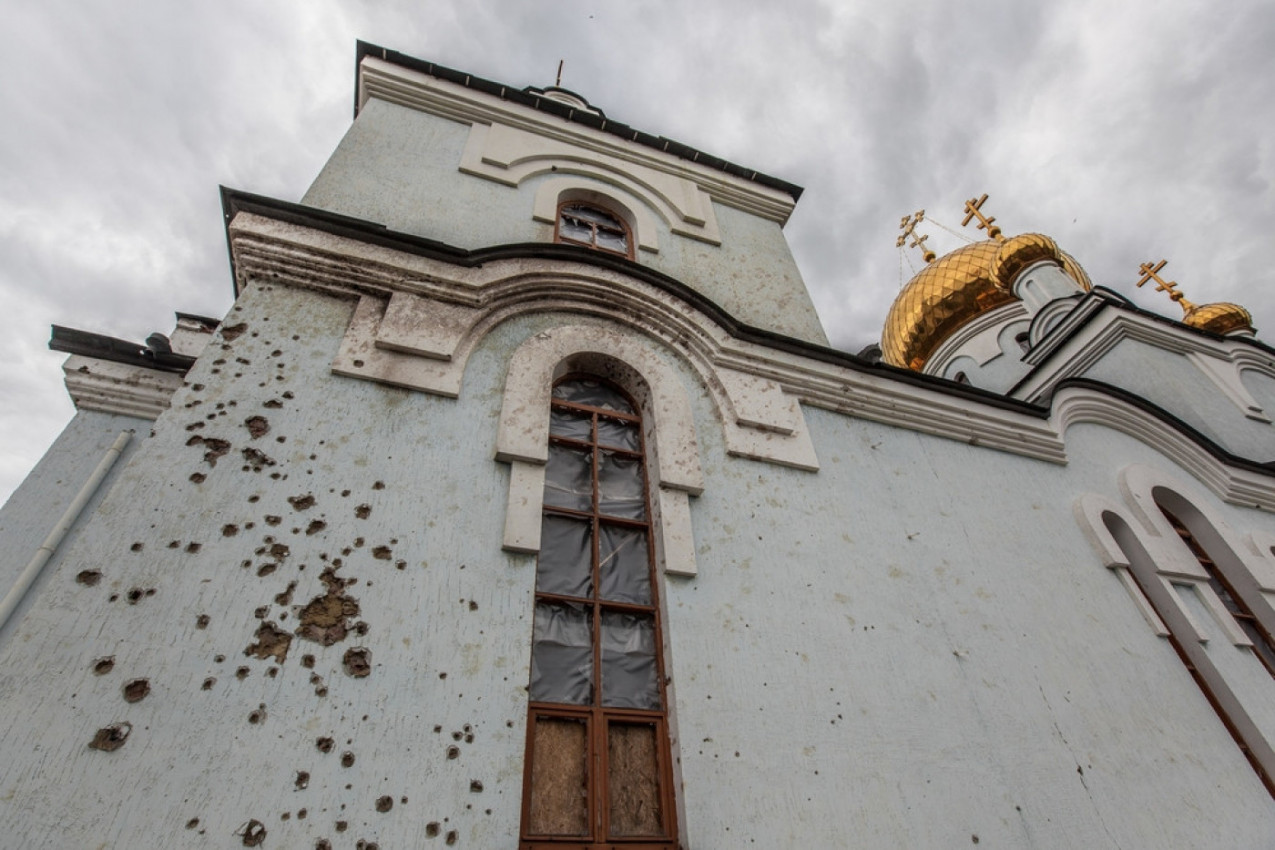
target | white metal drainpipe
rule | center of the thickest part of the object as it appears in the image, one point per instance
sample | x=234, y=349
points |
x=50, y=545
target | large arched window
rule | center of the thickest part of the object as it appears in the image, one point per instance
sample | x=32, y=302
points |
x=598, y=766
x=593, y=227
x=1234, y=600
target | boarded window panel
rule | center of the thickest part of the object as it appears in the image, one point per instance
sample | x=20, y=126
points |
x=629, y=673
x=565, y=565
x=620, y=491
x=562, y=654
x=633, y=781
x=624, y=569
x=619, y=434
x=569, y=479
x=559, y=777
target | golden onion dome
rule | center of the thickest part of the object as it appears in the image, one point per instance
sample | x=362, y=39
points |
x=1220, y=318
x=1018, y=253
x=958, y=287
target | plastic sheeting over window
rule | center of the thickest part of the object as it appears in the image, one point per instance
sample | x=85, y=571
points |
x=629, y=678
x=600, y=769
x=562, y=655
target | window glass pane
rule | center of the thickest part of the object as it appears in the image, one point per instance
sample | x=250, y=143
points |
x=620, y=491
x=633, y=780
x=573, y=426
x=625, y=571
x=559, y=777
x=612, y=241
x=562, y=654
x=565, y=565
x=592, y=393
x=575, y=230
x=592, y=214
x=628, y=661
x=569, y=479
x=617, y=433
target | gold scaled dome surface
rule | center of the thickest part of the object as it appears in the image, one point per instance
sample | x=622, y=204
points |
x=958, y=287
x=1220, y=318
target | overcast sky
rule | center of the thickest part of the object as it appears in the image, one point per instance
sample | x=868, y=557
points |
x=1127, y=131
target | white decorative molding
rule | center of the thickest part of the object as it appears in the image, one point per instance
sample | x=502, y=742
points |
x=414, y=90
x=1238, y=485
x=523, y=433
x=119, y=387
x=1223, y=373
x=978, y=339
x=1089, y=510
x=673, y=467
x=509, y=156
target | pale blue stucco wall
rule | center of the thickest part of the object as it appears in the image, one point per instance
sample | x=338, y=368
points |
x=911, y=647
x=400, y=168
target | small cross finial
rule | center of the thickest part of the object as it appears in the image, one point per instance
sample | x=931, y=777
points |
x=974, y=209
x=1150, y=272
x=908, y=225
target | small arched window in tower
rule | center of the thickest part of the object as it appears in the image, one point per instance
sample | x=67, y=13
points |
x=593, y=227
x=598, y=765
x=961, y=378
x=1024, y=342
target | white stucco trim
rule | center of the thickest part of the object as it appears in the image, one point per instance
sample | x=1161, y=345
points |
x=118, y=387
x=1221, y=361
x=1238, y=485
x=673, y=466
x=414, y=90
x=1089, y=510
x=509, y=157
x=978, y=339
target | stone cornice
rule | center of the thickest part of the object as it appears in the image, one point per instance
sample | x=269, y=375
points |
x=96, y=384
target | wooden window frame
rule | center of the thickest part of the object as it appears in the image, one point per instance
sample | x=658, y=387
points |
x=1234, y=602
x=593, y=243
x=598, y=718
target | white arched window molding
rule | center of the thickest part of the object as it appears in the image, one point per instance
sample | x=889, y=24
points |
x=523, y=436
x=552, y=194
x=510, y=155
x=1156, y=576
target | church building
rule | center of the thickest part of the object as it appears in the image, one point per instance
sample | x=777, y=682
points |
x=520, y=501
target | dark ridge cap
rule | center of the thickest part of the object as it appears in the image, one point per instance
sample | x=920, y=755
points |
x=103, y=347
x=528, y=97
x=1158, y=412
x=207, y=321
x=234, y=201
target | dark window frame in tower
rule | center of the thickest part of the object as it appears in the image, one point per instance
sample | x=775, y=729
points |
x=593, y=226
x=598, y=771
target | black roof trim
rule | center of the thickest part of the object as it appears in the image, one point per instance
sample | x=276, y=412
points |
x=1158, y=412
x=528, y=97
x=207, y=321
x=102, y=347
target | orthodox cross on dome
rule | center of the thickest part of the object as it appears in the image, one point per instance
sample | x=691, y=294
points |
x=908, y=225
x=974, y=209
x=1150, y=272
